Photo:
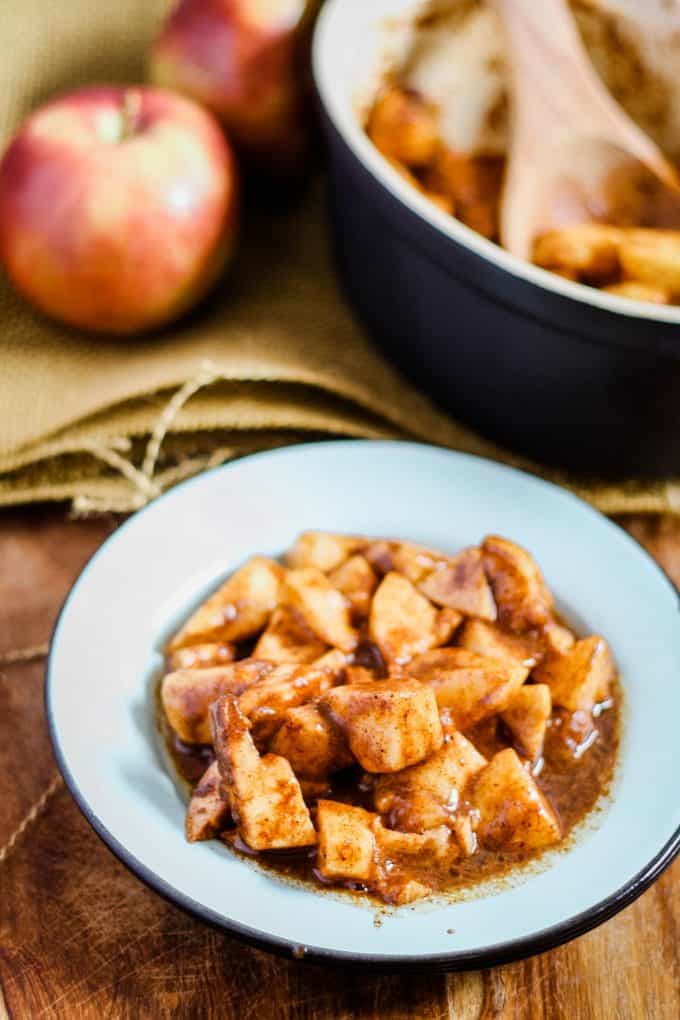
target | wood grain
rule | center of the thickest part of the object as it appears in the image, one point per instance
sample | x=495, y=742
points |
x=80, y=937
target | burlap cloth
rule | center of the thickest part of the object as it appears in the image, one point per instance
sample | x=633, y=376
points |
x=273, y=357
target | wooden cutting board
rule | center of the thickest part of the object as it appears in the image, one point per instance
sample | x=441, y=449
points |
x=81, y=937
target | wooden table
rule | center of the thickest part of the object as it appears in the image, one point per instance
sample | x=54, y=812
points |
x=81, y=937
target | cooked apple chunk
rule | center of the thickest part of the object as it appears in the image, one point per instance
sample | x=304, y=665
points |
x=201, y=656
x=334, y=661
x=522, y=598
x=513, y=813
x=265, y=796
x=399, y=847
x=313, y=744
x=446, y=624
x=322, y=549
x=288, y=638
x=346, y=842
x=208, y=812
x=403, y=126
x=187, y=694
x=325, y=609
x=402, y=621
x=390, y=724
x=465, y=834
x=286, y=686
x=399, y=854
x=427, y=795
x=355, y=847
x=489, y=640
x=237, y=610
x=557, y=638
x=580, y=678
x=357, y=581
x=591, y=250
x=359, y=675
x=472, y=686
x=407, y=558
x=460, y=583
x=527, y=717
x=652, y=257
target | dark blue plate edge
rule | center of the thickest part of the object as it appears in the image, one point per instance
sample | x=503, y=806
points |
x=492, y=956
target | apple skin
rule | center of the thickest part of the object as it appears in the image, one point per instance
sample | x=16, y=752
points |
x=118, y=207
x=247, y=61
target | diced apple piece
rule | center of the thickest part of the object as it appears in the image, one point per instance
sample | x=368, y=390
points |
x=418, y=847
x=187, y=694
x=354, y=846
x=208, y=812
x=402, y=621
x=446, y=624
x=427, y=795
x=288, y=638
x=346, y=842
x=489, y=640
x=448, y=722
x=472, y=686
x=407, y=558
x=403, y=860
x=357, y=581
x=570, y=735
x=513, y=813
x=265, y=796
x=472, y=182
x=322, y=549
x=465, y=834
x=324, y=608
x=359, y=675
x=461, y=583
x=403, y=125
x=237, y=610
x=580, y=678
x=334, y=661
x=527, y=717
x=652, y=257
x=287, y=686
x=522, y=598
x=589, y=249
x=399, y=891
x=202, y=656
x=390, y=724
x=313, y=744
x=557, y=638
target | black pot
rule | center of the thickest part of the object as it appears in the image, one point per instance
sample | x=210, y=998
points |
x=565, y=380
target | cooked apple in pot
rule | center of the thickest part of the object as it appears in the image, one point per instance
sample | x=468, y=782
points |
x=441, y=117
x=393, y=719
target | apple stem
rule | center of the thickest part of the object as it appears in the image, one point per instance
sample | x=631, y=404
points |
x=131, y=108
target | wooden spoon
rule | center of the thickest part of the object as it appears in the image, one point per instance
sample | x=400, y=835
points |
x=569, y=137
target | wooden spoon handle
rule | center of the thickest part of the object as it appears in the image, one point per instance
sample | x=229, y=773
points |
x=552, y=77
x=558, y=104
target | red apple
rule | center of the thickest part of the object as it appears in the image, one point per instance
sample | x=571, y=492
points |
x=248, y=61
x=118, y=207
